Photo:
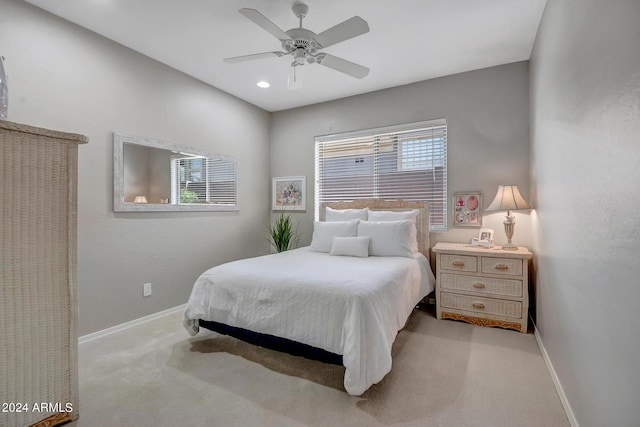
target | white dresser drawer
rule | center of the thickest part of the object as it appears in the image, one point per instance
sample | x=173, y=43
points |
x=459, y=263
x=482, y=305
x=482, y=286
x=507, y=266
x=498, y=287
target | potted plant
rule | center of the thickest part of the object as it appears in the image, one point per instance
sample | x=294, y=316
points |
x=188, y=196
x=282, y=234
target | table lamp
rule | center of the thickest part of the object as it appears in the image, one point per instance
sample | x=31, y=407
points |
x=508, y=198
x=140, y=199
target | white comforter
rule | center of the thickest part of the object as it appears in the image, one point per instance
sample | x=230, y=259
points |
x=349, y=306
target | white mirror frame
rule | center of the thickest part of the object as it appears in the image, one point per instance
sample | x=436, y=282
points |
x=119, y=204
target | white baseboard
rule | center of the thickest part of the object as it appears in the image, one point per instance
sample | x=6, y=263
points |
x=112, y=330
x=555, y=379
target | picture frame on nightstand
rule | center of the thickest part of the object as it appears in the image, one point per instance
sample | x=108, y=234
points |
x=485, y=234
x=484, y=239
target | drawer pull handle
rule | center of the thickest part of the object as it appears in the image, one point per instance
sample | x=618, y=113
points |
x=502, y=267
x=457, y=263
x=478, y=305
x=478, y=285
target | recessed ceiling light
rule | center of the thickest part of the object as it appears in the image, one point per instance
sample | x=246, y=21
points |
x=263, y=84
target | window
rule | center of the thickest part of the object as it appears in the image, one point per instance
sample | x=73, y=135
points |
x=198, y=179
x=400, y=162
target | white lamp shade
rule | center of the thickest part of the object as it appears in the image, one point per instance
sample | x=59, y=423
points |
x=508, y=198
x=140, y=199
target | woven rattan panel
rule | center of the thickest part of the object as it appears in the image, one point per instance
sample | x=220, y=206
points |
x=496, y=287
x=484, y=305
x=38, y=337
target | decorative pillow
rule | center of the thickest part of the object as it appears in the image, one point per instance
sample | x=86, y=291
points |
x=350, y=246
x=388, y=238
x=324, y=232
x=345, y=214
x=397, y=216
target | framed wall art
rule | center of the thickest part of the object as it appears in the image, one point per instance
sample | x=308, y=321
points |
x=467, y=209
x=289, y=193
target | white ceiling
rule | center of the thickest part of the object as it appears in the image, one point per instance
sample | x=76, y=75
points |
x=409, y=40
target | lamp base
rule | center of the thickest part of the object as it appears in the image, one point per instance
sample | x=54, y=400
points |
x=509, y=226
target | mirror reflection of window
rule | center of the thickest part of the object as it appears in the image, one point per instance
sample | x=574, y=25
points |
x=202, y=180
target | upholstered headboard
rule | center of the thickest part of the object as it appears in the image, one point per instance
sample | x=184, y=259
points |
x=422, y=221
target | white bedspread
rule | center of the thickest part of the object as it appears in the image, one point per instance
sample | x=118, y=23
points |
x=349, y=306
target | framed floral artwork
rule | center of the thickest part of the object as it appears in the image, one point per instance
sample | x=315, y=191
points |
x=289, y=193
x=467, y=209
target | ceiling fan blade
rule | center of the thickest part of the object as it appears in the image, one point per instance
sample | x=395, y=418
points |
x=344, y=31
x=253, y=56
x=264, y=22
x=344, y=66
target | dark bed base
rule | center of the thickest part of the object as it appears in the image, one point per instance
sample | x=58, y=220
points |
x=274, y=343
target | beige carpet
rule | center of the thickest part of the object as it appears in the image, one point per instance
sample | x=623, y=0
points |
x=445, y=373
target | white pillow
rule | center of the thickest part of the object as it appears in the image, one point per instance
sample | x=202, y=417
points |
x=324, y=232
x=388, y=238
x=345, y=214
x=397, y=216
x=350, y=246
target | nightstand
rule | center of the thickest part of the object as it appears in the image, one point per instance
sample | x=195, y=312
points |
x=483, y=286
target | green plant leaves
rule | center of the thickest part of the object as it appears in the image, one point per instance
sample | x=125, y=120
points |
x=282, y=233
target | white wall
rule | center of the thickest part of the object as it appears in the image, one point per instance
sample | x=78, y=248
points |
x=66, y=78
x=488, y=136
x=585, y=183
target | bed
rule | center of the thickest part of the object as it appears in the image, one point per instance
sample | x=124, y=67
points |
x=347, y=309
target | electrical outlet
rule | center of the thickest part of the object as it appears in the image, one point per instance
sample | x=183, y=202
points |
x=146, y=290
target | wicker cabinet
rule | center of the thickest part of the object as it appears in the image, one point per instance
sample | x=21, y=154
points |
x=487, y=287
x=38, y=302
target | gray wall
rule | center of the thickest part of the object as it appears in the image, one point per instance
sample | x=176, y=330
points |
x=585, y=184
x=488, y=136
x=66, y=78
x=159, y=174
x=135, y=171
x=146, y=172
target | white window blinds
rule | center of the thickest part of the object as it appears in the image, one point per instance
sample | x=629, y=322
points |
x=197, y=179
x=406, y=162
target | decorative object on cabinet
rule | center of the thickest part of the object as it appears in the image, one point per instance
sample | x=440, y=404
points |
x=485, y=238
x=467, y=209
x=508, y=198
x=486, y=287
x=38, y=296
x=289, y=193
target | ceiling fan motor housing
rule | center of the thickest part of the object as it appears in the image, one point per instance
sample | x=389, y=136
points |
x=302, y=45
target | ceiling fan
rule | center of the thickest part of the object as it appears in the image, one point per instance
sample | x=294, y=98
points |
x=305, y=46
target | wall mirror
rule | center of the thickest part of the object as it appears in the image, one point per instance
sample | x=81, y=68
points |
x=156, y=176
